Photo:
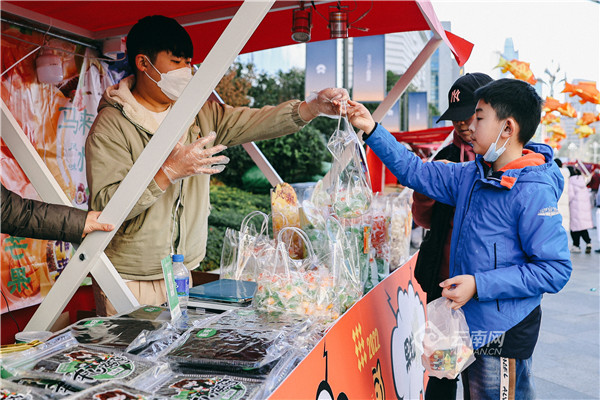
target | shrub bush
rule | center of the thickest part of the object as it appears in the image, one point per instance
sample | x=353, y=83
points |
x=296, y=158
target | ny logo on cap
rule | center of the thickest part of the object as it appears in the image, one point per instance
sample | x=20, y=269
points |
x=454, y=96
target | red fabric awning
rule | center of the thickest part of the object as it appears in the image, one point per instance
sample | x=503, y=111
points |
x=425, y=136
x=206, y=20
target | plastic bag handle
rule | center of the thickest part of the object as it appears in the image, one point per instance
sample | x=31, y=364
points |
x=302, y=234
x=264, y=227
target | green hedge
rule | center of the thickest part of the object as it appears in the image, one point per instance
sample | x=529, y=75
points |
x=229, y=207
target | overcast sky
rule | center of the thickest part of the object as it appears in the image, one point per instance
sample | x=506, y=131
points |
x=567, y=32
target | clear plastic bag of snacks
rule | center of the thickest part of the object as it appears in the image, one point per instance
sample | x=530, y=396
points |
x=400, y=228
x=244, y=250
x=447, y=345
x=303, y=287
x=350, y=188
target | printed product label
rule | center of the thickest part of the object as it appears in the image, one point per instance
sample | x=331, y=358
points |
x=182, y=286
x=206, y=333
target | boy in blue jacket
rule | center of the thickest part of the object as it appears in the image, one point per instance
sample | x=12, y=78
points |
x=508, y=244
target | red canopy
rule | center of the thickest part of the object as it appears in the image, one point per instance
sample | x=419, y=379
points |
x=206, y=20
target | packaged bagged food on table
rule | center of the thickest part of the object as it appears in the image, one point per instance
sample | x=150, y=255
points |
x=48, y=384
x=113, y=391
x=225, y=349
x=64, y=357
x=108, y=332
x=285, y=214
x=207, y=386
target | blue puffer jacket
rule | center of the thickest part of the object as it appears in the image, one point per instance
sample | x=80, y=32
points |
x=507, y=231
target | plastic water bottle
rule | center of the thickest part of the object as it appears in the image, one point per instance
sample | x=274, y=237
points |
x=182, y=281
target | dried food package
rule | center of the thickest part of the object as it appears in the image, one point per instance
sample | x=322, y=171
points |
x=111, y=332
x=226, y=347
x=113, y=391
x=285, y=211
x=207, y=386
x=254, y=319
x=14, y=391
x=53, y=385
x=91, y=366
x=151, y=313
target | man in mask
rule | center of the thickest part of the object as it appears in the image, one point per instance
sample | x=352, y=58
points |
x=171, y=216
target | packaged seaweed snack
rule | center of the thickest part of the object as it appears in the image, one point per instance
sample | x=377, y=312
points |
x=228, y=348
x=113, y=391
x=14, y=391
x=151, y=313
x=207, y=386
x=64, y=357
x=48, y=383
x=111, y=332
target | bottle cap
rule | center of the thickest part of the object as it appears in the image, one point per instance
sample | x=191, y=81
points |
x=177, y=257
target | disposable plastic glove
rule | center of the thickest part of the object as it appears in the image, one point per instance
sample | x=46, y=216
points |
x=194, y=158
x=321, y=103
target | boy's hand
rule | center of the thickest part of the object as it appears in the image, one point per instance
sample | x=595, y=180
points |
x=358, y=115
x=459, y=290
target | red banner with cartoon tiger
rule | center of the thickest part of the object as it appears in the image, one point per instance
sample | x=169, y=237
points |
x=371, y=352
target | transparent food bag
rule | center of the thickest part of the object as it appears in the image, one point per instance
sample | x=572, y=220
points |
x=243, y=251
x=304, y=287
x=447, y=346
x=350, y=188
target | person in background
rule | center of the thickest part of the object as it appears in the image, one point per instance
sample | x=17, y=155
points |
x=38, y=220
x=593, y=184
x=598, y=220
x=432, y=265
x=508, y=245
x=171, y=216
x=580, y=210
x=563, y=201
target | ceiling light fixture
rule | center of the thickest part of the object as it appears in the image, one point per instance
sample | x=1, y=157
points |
x=338, y=22
x=301, y=24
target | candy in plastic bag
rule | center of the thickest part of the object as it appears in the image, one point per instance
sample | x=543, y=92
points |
x=447, y=346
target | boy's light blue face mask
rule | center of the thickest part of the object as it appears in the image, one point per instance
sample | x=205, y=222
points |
x=492, y=154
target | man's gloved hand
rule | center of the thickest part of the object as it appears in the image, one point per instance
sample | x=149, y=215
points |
x=194, y=158
x=321, y=103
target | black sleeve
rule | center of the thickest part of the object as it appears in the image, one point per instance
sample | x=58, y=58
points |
x=38, y=220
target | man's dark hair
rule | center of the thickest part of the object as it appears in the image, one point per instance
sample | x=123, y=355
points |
x=156, y=33
x=512, y=98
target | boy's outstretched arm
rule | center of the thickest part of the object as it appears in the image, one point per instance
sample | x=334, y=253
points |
x=459, y=289
x=360, y=117
x=436, y=180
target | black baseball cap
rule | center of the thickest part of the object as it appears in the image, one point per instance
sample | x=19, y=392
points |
x=461, y=104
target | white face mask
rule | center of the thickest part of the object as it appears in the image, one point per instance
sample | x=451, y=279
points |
x=173, y=82
x=492, y=154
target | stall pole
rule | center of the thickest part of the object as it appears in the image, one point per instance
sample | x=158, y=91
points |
x=222, y=55
x=50, y=191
